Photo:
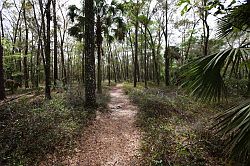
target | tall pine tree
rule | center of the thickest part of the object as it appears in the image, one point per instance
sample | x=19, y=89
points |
x=90, y=84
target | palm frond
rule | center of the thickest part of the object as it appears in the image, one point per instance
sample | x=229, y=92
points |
x=204, y=76
x=237, y=22
x=234, y=124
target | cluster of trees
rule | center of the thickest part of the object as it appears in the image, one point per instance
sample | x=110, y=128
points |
x=132, y=40
x=28, y=31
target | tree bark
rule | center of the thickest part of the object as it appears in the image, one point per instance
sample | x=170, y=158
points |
x=90, y=84
x=114, y=68
x=145, y=57
x=205, y=28
x=64, y=73
x=109, y=63
x=167, y=68
x=1, y=20
x=136, y=46
x=127, y=67
x=19, y=61
x=38, y=47
x=83, y=66
x=25, y=65
x=99, y=45
x=55, y=43
x=47, y=52
x=32, y=76
x=2, y=89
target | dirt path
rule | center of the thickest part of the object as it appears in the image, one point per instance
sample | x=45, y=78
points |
x=113, y=138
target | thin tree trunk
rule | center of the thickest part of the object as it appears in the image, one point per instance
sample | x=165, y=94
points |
x=109, y=63
x=136, y=47
x=127, y=66
x=132, y=50
x=38, y=46
x=25, y=65
x=103, y=68
x=16, y=31
x=31, y=61
x=83, y=64
x=2, y=88
x=99, y=45
x=145, y=57
x=205, y=28
x=55, y=43
x=167, y=68
x=69, y=74
x=155, y=63
x=64, y=73
x=19, y=61
x=1, y=20
x=114, y=68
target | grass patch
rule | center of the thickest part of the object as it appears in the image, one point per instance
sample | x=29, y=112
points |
x=33, y=128
x=176, y=129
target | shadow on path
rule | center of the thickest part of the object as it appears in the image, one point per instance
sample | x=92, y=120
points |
x=113, y=138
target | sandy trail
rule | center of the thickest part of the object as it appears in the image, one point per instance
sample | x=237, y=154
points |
x=113, y=138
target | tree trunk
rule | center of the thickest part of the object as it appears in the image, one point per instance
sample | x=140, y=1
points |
x=1, y=24
x=155, y=63
x=114, y=68
x=64, y=73
x=99, y=45
x=47, y=52
x=145, y=57
x=19, y=61
x=25, y=65
x=83, y=64
x=205, y=28
x=16, y=31
x=55, y=43
x=39, y=43
x=127, y=66
x=90, y=85
x=109, y=63
x=2, y=89
x=32, y=76
x=136, y=47
x=132, y=51
x=167, y=68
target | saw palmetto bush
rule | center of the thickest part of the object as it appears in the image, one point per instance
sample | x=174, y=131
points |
x=205, y=79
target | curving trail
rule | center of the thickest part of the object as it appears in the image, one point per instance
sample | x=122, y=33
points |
x=113, y=138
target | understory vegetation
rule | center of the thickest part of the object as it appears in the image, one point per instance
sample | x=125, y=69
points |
x=177, y=130
x=32, y=129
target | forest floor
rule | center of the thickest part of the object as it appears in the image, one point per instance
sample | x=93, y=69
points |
x=132, y=126
x=112, y=138
x=176, y=129
x=34, y=131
